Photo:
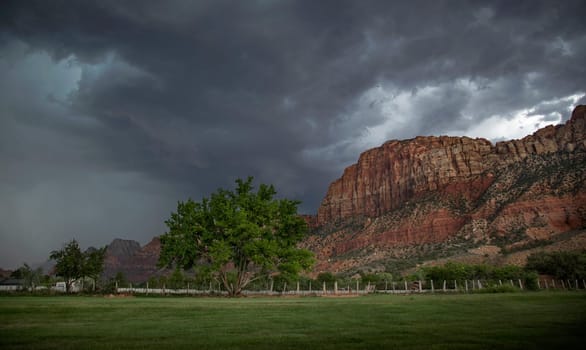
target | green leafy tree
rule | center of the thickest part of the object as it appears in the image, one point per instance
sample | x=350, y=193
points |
x=73, y=264
x=30, y=277
x=93, y=263
x=238, y=235
x=176, y=280
x=327, y=277
x=69, y=263
x=120, y=278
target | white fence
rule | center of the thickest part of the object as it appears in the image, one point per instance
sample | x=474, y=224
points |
x=10, y=288
x=355, y=288
x=394, y=287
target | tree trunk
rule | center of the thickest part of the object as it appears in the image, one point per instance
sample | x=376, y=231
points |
x=235, y=288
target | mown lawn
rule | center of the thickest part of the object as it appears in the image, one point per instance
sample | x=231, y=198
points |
x=477, y=321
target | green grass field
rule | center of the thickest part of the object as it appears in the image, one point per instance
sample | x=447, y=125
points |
x=477, y=321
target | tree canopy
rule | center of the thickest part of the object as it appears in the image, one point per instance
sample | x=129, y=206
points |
x=238, y=236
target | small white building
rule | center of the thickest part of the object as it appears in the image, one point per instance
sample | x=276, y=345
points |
x=61, y=287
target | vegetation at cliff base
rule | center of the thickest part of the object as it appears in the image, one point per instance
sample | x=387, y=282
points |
x=562, y=265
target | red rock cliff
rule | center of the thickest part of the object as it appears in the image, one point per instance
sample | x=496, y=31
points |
x=389, y=175
x=431, y=195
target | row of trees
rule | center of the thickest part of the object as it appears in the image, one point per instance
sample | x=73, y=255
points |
x=72, y=264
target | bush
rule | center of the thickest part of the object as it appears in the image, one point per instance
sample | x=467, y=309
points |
x=562, y=265
x=461, y=271
x=530, y=280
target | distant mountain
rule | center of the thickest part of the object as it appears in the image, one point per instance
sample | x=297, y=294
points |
x=135, y=262
x=417, y=200
x=4, y=273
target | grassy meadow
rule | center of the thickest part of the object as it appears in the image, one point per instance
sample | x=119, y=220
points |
x=539, y=320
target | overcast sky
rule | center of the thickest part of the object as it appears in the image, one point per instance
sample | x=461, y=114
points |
x=112, y=111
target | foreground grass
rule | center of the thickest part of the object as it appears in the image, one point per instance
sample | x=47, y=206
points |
x=481, y=321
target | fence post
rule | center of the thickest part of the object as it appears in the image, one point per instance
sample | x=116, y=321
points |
x=479, y=285
x=386, y=286
x=420, y=290
x=577, y=286
x=335, y=287
x=324, y=287
x=466, y=285
x=455, y=286
x=538, y=284
x=405, y=285
x=444, y=286
x=520, y=284
x=546, y=286
x=584, y=283
x=297, y=287
x=432, y=288
x=553, y=284
x=511, y=281
x=500, y=283
x=272, y=284
x=116, y=286
x=147, y=293
x=357, y=286
x=187, y=288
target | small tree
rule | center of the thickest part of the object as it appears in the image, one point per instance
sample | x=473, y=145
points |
x=69, y=263
x=176, y=280
x=239, y=235
x=31, y=277
x=72, y=264
x=93, y=264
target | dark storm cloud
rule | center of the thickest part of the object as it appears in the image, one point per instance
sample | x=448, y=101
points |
x=112, y=110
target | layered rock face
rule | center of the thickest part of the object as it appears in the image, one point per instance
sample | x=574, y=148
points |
x=432, y=190
x=389, y=175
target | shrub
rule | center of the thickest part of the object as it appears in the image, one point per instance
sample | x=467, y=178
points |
x=562, y=265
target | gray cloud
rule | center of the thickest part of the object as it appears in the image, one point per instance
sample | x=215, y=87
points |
x=112, y=111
